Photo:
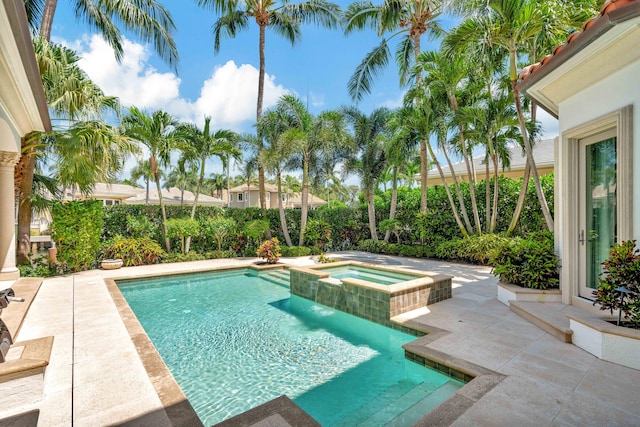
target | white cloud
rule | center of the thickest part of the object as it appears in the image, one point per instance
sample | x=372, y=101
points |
x=229, y=95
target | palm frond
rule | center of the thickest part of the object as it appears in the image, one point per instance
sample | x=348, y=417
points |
x=361, y=81
x=361, y=15
x=228, y=26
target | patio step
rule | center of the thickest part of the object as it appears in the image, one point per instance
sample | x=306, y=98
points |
x=550, y=317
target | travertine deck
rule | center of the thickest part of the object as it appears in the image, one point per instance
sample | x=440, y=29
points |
x=96, y=377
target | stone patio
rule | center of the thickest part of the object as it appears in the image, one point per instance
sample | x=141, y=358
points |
x=95, y=376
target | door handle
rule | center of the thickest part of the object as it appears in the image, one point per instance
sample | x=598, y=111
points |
x=581, y=238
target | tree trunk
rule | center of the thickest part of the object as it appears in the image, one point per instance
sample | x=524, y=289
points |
x=423, y=176
x=146, y=199
x=156, y=176
x=532, y=164
x=521, y=199
x=471, y=175
x=463, y=207
x=23, y=175
x=496, y=186
x=47, y=18
x=394, y=200
x=305, y=195
x=371, y=209
x=283, y=218
x=195, y=199
x=261, y=72
x=449, y=196
x=487, y=195
x=263, y=197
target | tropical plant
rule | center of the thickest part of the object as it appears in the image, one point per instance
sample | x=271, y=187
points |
x=156, y=131
x=619, y=285
x=269, y=250
x=134, y=250
x=149, y=20
x=76, y=229
x=256, y=229
x=182, y=228
x=371, y=137
x=143, y=170
x=199, y=145
x=218, y=227
x=184, y=177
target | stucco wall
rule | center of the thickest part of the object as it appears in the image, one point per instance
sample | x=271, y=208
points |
x=615, y=92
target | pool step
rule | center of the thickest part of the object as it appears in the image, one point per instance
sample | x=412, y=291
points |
x=279, y=277
x=411, y=402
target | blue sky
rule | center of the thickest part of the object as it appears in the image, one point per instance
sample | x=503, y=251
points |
x=224, y=85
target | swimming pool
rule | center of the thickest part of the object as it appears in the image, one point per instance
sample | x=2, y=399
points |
x=234, y=340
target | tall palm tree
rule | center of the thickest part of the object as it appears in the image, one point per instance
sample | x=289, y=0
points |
x=200, y=145
x=157, y=132
x=372, y=138
x=148, y=19
x=309, y=136
x=184, y=177
x=72, y=97
x=509, y=24
x=284, y=19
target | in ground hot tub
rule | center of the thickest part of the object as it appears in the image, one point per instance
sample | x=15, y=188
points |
x=372, y=292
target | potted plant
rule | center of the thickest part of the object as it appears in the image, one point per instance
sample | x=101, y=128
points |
x=616, y=337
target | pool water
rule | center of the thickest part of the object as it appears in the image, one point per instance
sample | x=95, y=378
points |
x=381, y=277
x=234, y=340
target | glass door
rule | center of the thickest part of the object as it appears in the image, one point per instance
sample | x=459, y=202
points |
x=598, y=207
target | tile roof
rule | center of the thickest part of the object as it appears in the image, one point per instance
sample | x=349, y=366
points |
x=589, y=31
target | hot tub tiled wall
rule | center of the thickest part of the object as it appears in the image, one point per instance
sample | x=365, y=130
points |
x=377, y=303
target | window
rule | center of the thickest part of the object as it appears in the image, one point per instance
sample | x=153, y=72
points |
x=284, y=197
x=240, y=197
x=268, y=197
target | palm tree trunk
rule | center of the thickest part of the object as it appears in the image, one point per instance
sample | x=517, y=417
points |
x=521, y=199
x=263, y=197
x=449, y=196
x=472, y=178
x=47, y=18
x=23, y=175
x=487, y=195
x=283, y=218
x=394, y=200
x=532, y=164
x=261, y=73
x=423, y=176
x=463, y=207
x=195, y=200
x=371, y=209
x=496, y=186
x=146, y=199
x=305, y=195
x=156, y=176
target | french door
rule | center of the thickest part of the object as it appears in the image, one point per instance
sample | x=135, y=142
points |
x=598, y=228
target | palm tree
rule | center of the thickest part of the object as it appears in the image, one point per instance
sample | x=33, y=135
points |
x=285, y=19
x=277, y=158
x=200, y=145
x=71, y=97
x=371, y=137
x=184, y=176
x=148, y=19
x=157, y=132
x=216, y=182
x=510, y=24
x=142, y=170
x=308, y=136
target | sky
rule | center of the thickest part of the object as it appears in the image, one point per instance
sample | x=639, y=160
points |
x=223, y=85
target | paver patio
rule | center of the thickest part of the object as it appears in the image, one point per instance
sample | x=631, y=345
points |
x=96, y=377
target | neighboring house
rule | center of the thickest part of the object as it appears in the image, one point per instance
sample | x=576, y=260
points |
x=23, y=109
x=244, y=196
x=591, y=85
x=543, y=154
x=122, y=194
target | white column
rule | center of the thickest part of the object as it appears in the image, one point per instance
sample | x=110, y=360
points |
x=8, y=270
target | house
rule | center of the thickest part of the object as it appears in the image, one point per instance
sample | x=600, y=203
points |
x=244, y=196
x=23, y=109
x=543, y=153
x=590, y=84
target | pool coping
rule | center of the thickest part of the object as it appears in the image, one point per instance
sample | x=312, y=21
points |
x=479, y=380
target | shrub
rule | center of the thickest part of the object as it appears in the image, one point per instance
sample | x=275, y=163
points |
x=323, y=259
x=191, y=256
x=182, y=228
x=220, y=254
x=269, y=250
x=621, y=269
x=295, y=251
x=40, y=267
x=255, y=229
x=141, y=226
x=218, y=227
x=479, y=249
x=530, y=263
x=392, y=226
x=448, y=249
x=134, y=251
x=373, y=246
x=317, y=232
x=76, y=229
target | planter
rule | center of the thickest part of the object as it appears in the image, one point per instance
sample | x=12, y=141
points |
x=605, y=340
x=508, y=292
x=111, y=264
